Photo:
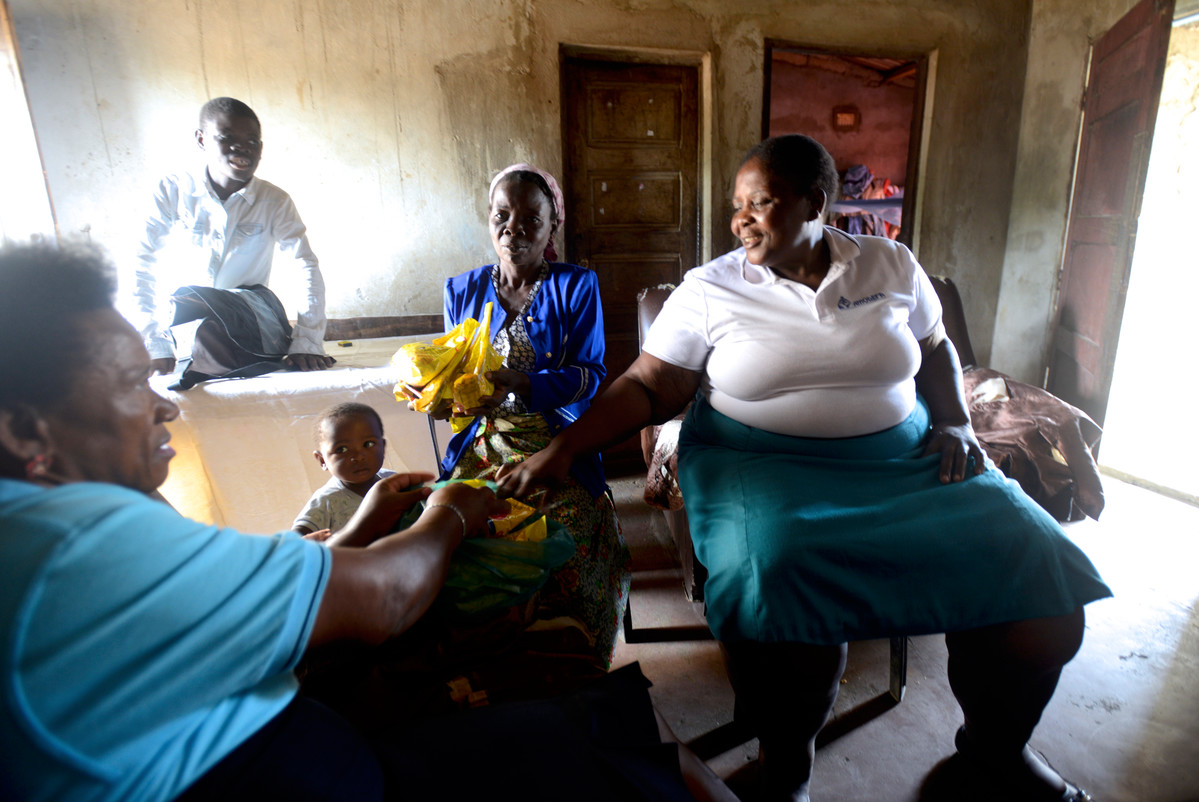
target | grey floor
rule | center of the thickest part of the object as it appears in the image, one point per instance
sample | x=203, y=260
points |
x=1124, y=722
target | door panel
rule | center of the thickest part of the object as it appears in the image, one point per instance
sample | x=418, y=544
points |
x=1123, y=89
x=631, y=144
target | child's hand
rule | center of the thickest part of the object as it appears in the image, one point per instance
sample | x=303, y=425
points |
x=382, y=507
x=399, y=492
x=320, y=535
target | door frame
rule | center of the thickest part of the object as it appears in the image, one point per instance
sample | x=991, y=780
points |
x=704, y=167
x=1155, y=18
x=918, y=137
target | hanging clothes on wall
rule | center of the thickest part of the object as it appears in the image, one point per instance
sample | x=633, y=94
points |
x=868, y=206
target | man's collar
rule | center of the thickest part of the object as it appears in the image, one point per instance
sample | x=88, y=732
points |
x=249, y=192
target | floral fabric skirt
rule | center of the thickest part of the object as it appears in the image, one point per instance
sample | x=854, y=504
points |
x=588, y=594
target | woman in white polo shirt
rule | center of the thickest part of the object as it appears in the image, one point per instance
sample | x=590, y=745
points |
x=834, y=486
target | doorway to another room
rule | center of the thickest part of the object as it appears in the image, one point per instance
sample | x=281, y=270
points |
x=867, y=110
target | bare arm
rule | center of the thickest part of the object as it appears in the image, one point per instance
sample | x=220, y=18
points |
x=939, y=381
x=381, y=584
x=650, y=391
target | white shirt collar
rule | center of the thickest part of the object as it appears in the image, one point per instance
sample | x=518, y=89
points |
x=843, y=249
x=249, y=193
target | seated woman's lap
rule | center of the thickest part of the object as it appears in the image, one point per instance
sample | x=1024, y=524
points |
x=592, y=587
x=818, y=549
x=600, y=742
x=307, y=753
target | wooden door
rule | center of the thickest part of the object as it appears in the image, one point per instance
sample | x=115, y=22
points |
x=631, y=153
x=1120, y=108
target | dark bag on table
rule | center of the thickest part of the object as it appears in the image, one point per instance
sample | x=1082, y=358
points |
x=242, y=333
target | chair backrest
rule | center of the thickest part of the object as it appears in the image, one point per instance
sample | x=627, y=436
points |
x=954, y=318
x=649, y=304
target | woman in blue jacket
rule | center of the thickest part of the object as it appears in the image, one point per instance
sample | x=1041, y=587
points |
x=548, y=324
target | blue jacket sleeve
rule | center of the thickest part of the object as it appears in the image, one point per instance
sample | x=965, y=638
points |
x=567, y=327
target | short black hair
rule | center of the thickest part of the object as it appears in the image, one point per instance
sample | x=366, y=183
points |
x=226, y=105
x=801, y=161
x=43, y=291
x=348, y=409
x=530, y=177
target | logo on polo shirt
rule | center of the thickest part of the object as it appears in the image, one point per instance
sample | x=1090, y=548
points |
x=845, y=303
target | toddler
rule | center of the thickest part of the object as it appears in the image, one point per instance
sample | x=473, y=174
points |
x=349, y=445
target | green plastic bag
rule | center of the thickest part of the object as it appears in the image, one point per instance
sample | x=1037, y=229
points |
x=488, y=574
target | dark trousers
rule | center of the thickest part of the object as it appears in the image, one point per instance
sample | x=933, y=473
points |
x=598, y=744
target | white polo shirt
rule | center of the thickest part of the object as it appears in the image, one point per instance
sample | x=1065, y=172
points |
x=838, y=361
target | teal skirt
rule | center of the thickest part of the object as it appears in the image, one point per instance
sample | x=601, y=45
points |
x=824, y=541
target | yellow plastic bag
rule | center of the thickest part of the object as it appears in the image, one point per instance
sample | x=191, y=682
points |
x=451, y=369
x=436, y=387
x=479, y=361
x=522, y=523
x=469, y=389
x=417, y=363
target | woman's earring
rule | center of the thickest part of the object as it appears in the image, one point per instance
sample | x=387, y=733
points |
x=37, y=467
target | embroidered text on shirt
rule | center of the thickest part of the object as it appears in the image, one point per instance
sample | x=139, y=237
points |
x=845, y=303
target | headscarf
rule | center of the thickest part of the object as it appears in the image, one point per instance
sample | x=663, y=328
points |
x=551, y=254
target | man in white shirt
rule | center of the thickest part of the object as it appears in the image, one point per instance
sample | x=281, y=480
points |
x=232, y=221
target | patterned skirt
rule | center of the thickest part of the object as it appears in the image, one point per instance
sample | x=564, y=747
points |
x=588, y=594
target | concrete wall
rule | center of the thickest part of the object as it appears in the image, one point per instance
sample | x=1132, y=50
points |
x=1059, y=45
x=385, y=119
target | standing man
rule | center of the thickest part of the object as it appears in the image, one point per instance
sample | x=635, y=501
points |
x=233, y=221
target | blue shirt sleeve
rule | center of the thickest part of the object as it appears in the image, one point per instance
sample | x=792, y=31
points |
x=145, y=636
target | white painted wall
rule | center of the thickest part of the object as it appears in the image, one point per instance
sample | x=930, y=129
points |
x=385, y=119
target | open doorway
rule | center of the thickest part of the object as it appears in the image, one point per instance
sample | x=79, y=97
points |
x=1150, y=437
x=867, y=110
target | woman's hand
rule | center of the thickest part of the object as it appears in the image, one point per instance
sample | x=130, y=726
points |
x=506, y=382
x=477, y=506
x=376, y=593
x=546, y=469
x=956, y=444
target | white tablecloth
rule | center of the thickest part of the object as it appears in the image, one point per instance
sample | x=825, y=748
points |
x=245, y=446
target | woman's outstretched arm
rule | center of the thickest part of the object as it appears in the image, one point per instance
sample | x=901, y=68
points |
x=383, y=586
x=650, y=391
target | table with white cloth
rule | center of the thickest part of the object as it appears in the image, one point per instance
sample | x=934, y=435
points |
x=245, y=446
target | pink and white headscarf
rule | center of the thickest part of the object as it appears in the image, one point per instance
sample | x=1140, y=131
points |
x=551, y=254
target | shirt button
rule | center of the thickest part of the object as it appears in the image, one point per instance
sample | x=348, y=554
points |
x=529, y=319
x=548, y=354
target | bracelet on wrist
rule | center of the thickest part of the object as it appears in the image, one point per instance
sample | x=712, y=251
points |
x=453, y=508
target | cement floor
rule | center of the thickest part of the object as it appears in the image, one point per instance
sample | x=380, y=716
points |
x=1124, y=722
